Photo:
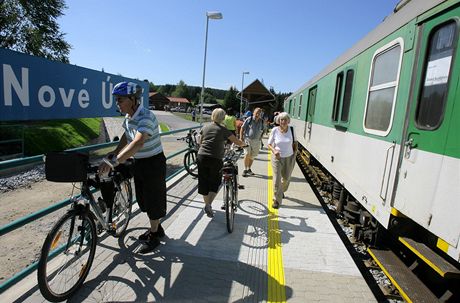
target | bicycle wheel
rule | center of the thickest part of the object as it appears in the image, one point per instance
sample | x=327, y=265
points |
x=235, y=192
x=228, y=201
x=190, y=162
x=67, y=255
x=120, y=212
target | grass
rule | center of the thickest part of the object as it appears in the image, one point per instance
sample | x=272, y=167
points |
x=188, y=116
x=164, y=127
x=44, y=136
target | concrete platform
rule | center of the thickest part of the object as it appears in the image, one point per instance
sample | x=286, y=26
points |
x=292, y=254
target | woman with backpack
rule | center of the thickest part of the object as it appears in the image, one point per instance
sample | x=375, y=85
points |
x=283, y=145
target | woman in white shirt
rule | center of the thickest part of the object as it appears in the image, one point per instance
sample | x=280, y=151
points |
x=283, y=145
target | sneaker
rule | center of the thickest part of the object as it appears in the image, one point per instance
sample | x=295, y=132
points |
x=283, y=196
x=275, y=204
x=150, y=245
x=250, y=172
x=160, y=233
x=245, y=173
x=223, y=206
x=208, y=210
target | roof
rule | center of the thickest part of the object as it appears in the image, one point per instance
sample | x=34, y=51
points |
x=178, y=100
x=157, y=96
x=256, y=92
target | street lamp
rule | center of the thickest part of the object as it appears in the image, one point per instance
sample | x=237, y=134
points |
x=209, y=15
x=241, y=96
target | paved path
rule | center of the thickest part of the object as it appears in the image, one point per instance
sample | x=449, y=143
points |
x=293, y=254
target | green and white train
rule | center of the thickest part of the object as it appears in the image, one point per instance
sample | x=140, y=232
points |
x=384, y=121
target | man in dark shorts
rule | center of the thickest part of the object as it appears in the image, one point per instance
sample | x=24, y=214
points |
x=141, y=140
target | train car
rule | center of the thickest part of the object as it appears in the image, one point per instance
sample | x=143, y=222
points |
x=383, y=121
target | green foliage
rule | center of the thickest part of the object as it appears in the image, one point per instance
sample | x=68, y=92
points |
x=231, y=101
x=209, y=98
x=31, y=27
x=279, y=100
x=181, y=90
x=44, y=136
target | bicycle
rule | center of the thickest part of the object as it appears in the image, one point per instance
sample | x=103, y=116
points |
x=192, y=153
x=69, y=248
x=230, y=184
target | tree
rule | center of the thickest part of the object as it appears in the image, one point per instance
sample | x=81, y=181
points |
x=230, y=100
x=208, y=97
x=181, y=90
x=30, y=26
x=152, y=87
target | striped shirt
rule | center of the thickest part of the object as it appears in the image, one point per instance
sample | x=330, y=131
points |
x=145, y=122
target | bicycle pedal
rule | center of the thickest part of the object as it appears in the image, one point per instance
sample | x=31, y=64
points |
x=240, y=186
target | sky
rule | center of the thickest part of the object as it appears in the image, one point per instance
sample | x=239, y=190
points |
x=283, y=43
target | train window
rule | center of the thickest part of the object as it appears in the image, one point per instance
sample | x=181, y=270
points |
x=293, y=109
x=337, y=96
x=432, y=102
x=382, y=88
x=300, y=106
x=312, y=102
x=347, y=95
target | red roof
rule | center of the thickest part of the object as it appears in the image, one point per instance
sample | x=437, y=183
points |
x=179, y=100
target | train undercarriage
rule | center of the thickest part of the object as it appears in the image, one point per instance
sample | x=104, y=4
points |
x=404, y=251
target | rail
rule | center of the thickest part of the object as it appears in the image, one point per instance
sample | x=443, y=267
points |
x=9, y=164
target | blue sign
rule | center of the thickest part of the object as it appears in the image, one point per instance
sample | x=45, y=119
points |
x=33, y=88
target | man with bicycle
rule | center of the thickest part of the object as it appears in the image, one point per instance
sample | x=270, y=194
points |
x=141, y=140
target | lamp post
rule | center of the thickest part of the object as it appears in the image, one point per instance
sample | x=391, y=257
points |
x=209, y=15
x=241, y=94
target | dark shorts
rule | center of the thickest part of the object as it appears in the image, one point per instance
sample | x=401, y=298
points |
x=209, y=174
x=150, y=185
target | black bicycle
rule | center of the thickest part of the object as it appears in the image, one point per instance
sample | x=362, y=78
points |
x=69, y=248
x=192, y=153
x=230, y=184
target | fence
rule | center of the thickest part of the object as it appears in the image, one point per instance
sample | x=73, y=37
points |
x=11, y=164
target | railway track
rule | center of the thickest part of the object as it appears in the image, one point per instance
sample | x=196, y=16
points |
x=397, y=269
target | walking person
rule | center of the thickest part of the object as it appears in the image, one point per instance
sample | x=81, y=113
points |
x=210, y=155
x=283, y=145
x=230, y=120
x=251, y=132
x=193, y=115
x=141, y=140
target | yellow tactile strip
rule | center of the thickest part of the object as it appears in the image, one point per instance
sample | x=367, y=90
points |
x=276, y=282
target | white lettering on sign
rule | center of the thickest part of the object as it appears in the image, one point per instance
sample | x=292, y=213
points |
x=83, y=98
x=42, y=92
x=46, y=95
x=437, y=71
x=107, y=103
x=10, y=81
x=66, y=99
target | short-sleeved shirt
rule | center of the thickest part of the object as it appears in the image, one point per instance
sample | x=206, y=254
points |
x=144, y=121
x=229, y=122
x=213, y=138
x=282, y=141
x=253, y=129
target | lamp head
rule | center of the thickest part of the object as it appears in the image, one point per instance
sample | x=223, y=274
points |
x=214, y=15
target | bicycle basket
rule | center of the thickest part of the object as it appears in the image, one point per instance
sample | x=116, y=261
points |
x=66, y=166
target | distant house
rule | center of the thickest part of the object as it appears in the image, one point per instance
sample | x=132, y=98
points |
x=158, y=101
x=257, y=95
x=182, y=103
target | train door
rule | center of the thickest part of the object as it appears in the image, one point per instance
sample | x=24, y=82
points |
x=428, y=186
x=310, y=111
